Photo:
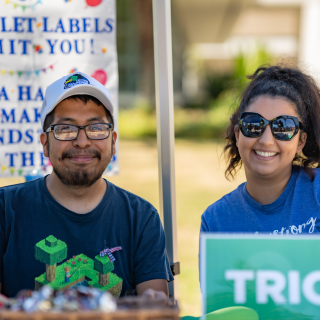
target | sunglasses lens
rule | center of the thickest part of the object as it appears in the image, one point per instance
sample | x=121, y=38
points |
x=252, y=126
x=284, y=129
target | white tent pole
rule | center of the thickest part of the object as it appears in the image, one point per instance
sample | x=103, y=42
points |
x=165, y=130
x=309, y=35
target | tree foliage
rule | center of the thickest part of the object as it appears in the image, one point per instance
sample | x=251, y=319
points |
x=50, y=250
x=103, y=264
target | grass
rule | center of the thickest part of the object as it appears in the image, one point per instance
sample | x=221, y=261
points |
x=210, y=123
x=199, y=182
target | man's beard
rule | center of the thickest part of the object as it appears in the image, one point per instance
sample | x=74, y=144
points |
x=80, y=177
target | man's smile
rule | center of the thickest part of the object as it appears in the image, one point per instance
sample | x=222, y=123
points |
x=74, y=155
x=81, y=158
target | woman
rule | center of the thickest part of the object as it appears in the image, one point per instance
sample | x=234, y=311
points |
x=275, y=134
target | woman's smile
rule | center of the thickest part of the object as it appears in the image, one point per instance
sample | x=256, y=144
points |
x=265, y=155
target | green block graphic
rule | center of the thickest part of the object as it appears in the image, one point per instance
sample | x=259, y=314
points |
x=103, y=264
x=51, y=241
x=50, y=251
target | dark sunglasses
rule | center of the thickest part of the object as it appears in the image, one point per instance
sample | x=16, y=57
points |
x=284, y=128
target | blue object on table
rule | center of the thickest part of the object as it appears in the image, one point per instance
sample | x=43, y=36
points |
x=32, y=177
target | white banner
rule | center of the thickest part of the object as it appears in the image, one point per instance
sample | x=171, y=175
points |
x=41, y=41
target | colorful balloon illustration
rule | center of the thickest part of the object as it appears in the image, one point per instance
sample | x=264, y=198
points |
x=38, y=48
x=100, y=75
x=93, y=3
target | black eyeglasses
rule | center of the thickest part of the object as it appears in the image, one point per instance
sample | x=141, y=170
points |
x=68, y=132
x=284, y=128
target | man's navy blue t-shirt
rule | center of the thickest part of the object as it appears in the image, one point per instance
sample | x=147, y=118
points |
x=36, y=232
x=296, y=211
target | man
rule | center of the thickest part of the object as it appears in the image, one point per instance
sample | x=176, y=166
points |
x=107, y=237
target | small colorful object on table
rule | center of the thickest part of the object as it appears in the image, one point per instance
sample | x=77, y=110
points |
x=33, y=174
x=3, y=301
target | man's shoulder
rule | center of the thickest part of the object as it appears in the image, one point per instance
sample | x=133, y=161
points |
x=131, y=198
x=130, y=207
x=20, y=188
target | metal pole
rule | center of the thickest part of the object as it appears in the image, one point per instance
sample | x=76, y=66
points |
x=165, y=130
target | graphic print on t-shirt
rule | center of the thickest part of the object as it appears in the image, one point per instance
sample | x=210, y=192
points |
x=78, y=269
x=309, y=225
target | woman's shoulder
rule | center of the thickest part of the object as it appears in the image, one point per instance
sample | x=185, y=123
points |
x=222, y=210
x=304, y=185
x=304, y=178
x=226, y=202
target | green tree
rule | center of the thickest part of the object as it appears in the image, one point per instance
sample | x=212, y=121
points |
x=103, y=265
x=246, y=63
x=50, y=251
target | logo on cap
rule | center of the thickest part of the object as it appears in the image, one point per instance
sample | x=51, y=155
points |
x=75, y=80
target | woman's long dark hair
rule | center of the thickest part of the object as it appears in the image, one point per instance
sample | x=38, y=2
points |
x=296, y=87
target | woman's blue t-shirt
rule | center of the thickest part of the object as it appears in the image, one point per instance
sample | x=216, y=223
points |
x=296, y=211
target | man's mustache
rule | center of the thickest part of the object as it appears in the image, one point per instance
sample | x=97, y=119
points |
x=72, y=154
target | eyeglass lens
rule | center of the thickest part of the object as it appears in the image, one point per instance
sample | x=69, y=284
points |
x=69, y=132
x=253, y=125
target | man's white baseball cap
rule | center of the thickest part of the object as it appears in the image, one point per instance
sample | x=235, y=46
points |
x=70, y=85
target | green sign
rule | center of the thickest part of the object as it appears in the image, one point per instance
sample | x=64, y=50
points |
x=277, y=276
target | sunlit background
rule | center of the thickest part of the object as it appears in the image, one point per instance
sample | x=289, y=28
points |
x=215, y=44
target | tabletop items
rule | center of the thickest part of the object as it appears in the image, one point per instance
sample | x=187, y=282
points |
x=84, y=303
x=47, y=300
